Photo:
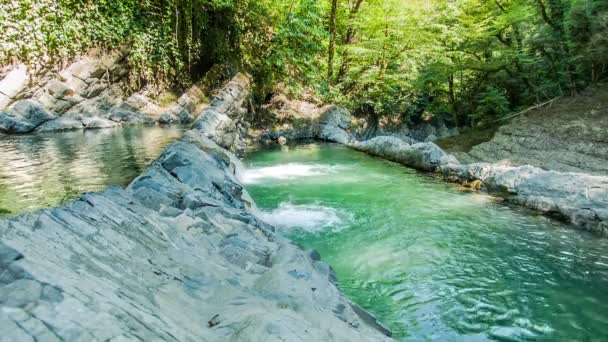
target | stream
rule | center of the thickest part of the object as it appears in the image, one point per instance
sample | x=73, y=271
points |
x=432, y=261
x=45, y=170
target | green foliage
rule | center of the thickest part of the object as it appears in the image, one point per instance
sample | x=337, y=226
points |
x=466, y=61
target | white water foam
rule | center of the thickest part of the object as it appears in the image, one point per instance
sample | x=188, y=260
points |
x=312, y=218
x=285, y=172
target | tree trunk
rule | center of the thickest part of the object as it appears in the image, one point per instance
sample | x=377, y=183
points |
x=332, y=40
x=348, y=39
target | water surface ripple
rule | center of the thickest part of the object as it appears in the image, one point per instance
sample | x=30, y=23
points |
x=42, y=170
x=433, y=262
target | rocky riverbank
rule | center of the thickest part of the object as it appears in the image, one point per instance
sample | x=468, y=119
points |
x=178, y=255
x=578, y=198
x=87, y=94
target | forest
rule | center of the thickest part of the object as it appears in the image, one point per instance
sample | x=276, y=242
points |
x=469, y=62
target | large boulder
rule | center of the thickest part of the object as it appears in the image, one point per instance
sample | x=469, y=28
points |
x=578, y=198
x=334, y=124
x=422, y=156
x=23, y=117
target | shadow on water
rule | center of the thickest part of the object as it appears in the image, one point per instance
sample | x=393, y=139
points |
x=43, y=170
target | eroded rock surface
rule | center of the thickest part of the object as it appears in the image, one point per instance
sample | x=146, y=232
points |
x=177, y=256
x=303, y=120
x=91, y=87
x=570, y=135
x=421, y=156
x=224, y=121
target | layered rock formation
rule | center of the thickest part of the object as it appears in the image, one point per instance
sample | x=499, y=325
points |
x=89, y=93
x=224, y=122
x=179, y=256
x=570, y=135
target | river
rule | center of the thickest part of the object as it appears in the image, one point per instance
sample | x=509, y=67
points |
x=432, y=261
x=44, y=170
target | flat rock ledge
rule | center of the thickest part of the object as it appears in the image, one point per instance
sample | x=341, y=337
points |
x=577, y=198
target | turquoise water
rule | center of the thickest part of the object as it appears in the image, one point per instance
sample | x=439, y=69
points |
x=431, y=261
x=43, y=170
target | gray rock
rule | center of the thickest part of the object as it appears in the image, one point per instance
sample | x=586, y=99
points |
x=23, y=117
x=578, y=198
x=97, y=122
x=59, y=89
x=220, y=122
x=422, y=156
x=282, y=140
x=14, y=82
x=209, y=259
x=94, y=90
x=167, y=118
x=63, y=123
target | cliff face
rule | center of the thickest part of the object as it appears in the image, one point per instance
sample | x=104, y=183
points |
x=89, y=93
x=179, y=255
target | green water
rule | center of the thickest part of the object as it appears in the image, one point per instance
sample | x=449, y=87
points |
x=43, y=170
x=433, y=262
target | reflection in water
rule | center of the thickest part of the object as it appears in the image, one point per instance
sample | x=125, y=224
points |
x=432, y=262
x=45, y=170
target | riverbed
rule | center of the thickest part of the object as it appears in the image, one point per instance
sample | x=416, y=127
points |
x=431, y=260
x=44, y=170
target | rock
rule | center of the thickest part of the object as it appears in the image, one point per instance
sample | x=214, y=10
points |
x=208, y=259
x=94, y=90
x=219, y=122
x=282, y=140
x=14, y=82
x=422, y=156
x=59, y=89
x=63, y=123
x=23, y=117
x=4, y=101
x=97, y=122
x=576, y=198
x=571, y=135
x=334, y=125
x=167, y=118
x=85, y=68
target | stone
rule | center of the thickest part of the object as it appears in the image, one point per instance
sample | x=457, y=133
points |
x=422, y=156
x=166, y=119
x=63, y=123
x=23, y=117
x=59, y=89
x=4, y=101
x=282, y=140
x=94, y=90
x=14, y=82
x=86, y=68
x=97, y=122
